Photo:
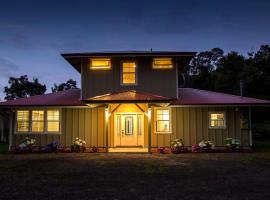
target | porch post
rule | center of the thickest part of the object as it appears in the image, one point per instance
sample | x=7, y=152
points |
x=10, y=129
x=149, y=130
x=250, y=128
x=106, y=129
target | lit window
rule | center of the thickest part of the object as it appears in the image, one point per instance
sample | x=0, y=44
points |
x=163, y=124
x=37, y=121
x=162, y=63
x=22, y=120
x=100, y=64
x=53, y=120
x=129, y=73
x=217, y=120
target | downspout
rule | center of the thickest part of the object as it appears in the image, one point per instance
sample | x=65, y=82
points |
x=250, y=128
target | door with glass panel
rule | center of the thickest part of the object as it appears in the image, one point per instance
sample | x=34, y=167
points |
x=128, y=130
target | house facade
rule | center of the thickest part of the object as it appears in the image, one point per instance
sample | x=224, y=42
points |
x=130, y=102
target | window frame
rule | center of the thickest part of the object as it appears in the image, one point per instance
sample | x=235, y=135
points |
x=162, y=68
x=170, y=120
x=31, y=121
x=209, y=120
x=16, y=121
x=59, y=126
x=136, y=73
x=102, y=68
x=44, y=132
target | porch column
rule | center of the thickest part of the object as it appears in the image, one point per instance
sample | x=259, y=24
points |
x=250, y=128
x=149, y=130
x=106, y=129
x=10, y=129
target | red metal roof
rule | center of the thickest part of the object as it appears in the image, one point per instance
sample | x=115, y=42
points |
x=190, y=96
x=63, y=98
x=187, y=96
x=127, y=96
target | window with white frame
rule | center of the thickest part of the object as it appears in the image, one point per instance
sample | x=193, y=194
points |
x=217, y=120
x=22, y=120
x=37, y=121
x=129, y=73
x=53, y=120
x=163, y=120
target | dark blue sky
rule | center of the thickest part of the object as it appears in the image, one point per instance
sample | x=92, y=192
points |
x=34, y=33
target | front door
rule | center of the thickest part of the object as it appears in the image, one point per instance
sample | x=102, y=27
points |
x=129, y=130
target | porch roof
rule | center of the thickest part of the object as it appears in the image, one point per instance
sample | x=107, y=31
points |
x=191, y=96
x=128, y=96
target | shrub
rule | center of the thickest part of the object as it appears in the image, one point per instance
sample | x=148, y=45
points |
x=203, y=146
x=26, y=145
x=161, y=149
x=177, y=146
x=232, y=144
x=79, y=145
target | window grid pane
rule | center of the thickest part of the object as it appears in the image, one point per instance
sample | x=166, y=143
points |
x=163, y=120
x=53, y=123
x=22, y=120
x=129, y=73
x=37, y=121
x=217, y=120
x=162, y=63
x=100, y=64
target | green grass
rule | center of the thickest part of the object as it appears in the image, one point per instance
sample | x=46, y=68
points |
x=3, y=148
x=262, y=146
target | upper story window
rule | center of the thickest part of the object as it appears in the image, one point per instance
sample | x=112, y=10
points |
x=217, y=120
x=162, y=63
x=129, y=73
x=100, y=64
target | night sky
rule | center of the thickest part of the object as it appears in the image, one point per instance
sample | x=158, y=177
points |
x=34, y=33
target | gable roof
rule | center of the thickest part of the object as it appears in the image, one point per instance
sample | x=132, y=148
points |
x=75, y=58
x=63, y=98
x=190, y=96
x=127, y=96
x=187, y=96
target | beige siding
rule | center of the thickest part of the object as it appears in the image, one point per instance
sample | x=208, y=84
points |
x=191, y=125
x=188, y=123
x=85, y=123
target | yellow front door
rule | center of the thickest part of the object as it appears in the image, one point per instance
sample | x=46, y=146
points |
x=129, y=130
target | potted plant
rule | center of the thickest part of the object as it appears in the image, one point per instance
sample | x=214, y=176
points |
x=232, y=144
x=177, y=146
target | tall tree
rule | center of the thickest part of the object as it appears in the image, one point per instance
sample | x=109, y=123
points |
x=199, y=74
x=21, y=87
x=70, y=84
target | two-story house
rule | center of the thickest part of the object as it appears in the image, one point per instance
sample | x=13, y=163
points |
x=130, y=102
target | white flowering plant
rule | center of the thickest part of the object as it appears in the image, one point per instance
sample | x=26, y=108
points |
x=177, y=146
x=79, y=145
x=232, y=144
x=26, y=145
x=206, y=146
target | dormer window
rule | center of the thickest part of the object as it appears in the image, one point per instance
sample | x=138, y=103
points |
x=100, y=64
x=162, y=63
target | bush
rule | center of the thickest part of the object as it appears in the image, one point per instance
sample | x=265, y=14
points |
x=78, y=145
x=232, y=144
x=203, y=146
x=261, y=130
x=177, y=146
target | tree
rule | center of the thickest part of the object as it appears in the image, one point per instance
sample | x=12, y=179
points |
x=22, y=87
x=199, y=74
x=70, y=84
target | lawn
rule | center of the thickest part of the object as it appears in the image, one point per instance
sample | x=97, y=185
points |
x=135, y=176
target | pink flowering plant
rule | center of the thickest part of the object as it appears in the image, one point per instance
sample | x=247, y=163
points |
x=177, y=146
